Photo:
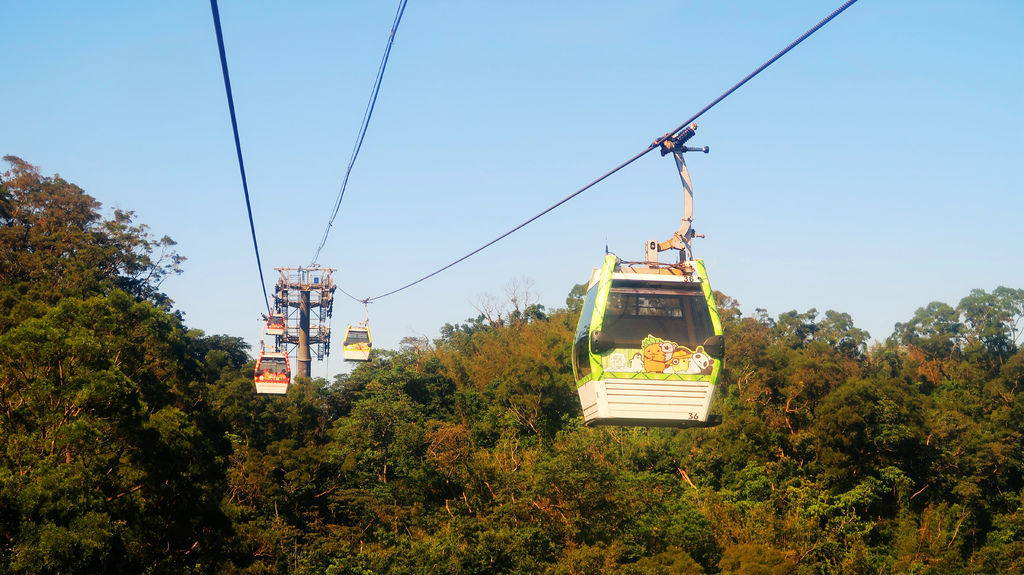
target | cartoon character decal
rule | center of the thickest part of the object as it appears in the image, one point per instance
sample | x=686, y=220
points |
x=661, y=356
x=637, y=363
x=268, y=376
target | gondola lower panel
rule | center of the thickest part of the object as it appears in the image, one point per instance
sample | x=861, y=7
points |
x=628, y=401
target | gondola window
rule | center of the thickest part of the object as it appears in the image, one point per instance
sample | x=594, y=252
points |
x=633, y=313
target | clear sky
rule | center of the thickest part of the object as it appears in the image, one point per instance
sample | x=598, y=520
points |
x=871, y=171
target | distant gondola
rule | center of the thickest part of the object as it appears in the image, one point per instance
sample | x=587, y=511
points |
x=275, y=324
x=357, y=343
x=273, y=372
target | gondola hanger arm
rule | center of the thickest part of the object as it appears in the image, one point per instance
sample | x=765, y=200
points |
x=681, y=239
x=366, y=321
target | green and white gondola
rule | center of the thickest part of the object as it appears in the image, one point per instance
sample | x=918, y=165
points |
x=648, y=348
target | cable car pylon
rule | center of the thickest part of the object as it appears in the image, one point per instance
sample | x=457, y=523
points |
x=304, y=298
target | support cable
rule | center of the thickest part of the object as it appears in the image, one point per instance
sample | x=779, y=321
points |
x=350, y=296
x=365, y=124
x=238, y=145
x=657, y=143
x=750, y=76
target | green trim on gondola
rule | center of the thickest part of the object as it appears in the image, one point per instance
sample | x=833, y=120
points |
x=708, y=294
x=597, y=319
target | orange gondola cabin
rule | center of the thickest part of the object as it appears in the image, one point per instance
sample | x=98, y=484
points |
x=275, y=324
x=273, y=373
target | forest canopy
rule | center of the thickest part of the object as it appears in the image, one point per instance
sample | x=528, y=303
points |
x=133, y=444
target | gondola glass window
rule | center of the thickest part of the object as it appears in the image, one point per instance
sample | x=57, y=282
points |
x=357, y=336
x=636, y=311
x=581, y=357
x=276, y=367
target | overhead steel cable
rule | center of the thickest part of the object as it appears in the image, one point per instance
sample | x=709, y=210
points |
x=770, y=61
x=656, y=144
x=365, y=124
x=238, y=145
x=513, y=230
x=366, y=300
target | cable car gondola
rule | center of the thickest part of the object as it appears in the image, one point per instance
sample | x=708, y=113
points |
x=649, y=344
x=648, y=347
x=357, y=343
x=273, y=372
x=275, y=324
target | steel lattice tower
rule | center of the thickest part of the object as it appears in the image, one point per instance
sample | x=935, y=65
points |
x=305, y=297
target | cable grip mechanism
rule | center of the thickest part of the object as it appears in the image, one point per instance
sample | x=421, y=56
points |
x=669, y=144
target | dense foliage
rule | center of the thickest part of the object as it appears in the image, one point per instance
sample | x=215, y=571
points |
x=132, y=444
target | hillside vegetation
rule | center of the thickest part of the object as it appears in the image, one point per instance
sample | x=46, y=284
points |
x=132, y=444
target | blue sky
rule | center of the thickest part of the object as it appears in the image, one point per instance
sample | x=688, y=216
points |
x=871, y=171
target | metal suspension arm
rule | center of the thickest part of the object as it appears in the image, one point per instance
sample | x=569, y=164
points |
x=682, y=238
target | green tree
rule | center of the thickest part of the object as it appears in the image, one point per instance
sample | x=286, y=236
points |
x=838, y=331
x=109, y=466
x=574, y=301
x=753, y=559
x=867, y=425
x=936, y=329
x=54, y=244
x=992, y=320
